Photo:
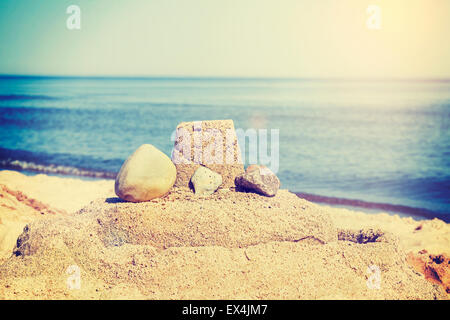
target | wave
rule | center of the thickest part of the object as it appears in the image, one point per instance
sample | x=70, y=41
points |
x=55, y=169
x=12, y=97
x=61, y=164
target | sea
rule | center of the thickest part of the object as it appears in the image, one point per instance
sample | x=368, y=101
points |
x=379, y=145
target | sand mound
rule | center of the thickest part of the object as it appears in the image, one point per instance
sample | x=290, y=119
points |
x=229, y=245
x=16, y=210
x=24, y=199
x=227, y=219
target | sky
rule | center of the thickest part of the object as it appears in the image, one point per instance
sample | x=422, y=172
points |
x=229, y=38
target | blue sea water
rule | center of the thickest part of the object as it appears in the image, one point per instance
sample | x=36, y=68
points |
x=376, y=141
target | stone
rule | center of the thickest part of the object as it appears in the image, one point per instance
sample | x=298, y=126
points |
x=212, y=144
x=147, y=174
x=205, y=181
x=259, y=179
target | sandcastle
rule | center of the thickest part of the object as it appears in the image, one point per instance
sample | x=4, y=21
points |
x=257, y=243
x=206, y=156
x=212, y=144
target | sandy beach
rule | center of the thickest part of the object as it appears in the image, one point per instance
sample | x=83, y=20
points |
x=230, y=245
x=225, y=150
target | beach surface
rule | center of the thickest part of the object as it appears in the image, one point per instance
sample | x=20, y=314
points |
x=230, y=245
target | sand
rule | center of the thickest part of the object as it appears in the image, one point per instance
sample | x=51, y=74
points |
x=27, y=198
x=414, y=235
x=65, y=194
x=230, y=245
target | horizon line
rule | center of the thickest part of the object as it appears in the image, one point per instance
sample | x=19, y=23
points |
x=219, y=77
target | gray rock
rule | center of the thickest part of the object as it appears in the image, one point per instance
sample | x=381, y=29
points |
x=259, y=179
x=205, y=181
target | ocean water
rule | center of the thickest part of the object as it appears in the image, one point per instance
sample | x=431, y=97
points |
x=374, y=141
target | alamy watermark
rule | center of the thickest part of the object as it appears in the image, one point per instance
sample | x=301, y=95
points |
x=73, y=22
x=374, y=279
x=213, y=146
x=74, y=279
x=374, y=20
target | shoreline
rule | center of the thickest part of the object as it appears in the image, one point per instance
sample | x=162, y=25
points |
x=338, y=202
x=379, y=206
